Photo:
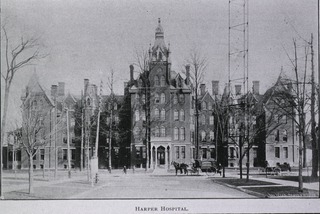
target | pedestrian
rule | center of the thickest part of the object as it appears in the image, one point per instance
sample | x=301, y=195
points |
x=125, y=170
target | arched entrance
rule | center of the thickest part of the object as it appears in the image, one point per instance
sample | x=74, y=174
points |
x=161, y=156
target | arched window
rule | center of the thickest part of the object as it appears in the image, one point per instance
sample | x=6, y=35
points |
x=88, y=102
x=156, y=98
x=285, y=136
x=176, y=133
x=156, y=80
x=163, y=114
x=209, y=106
x=137, y=115
x=181, y=115
x=163, y=131
x=203, y=119
x=204, y=106
x=203, y=135
x=176, y=115
x=162, y=81
x=156, y=131
x=175, y=99
x=137, y=96
x=156, y=113
x=182, y=134
x=163, y=98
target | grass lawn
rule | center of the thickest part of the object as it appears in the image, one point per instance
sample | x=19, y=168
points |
x=243, y=182
x=283, y=191
x=306, y=179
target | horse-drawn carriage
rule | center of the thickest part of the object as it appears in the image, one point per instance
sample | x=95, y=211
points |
x=208, y=166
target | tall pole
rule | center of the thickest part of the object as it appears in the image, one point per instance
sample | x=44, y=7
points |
x=55, y=139
x=68, y=145
x=319, y=97
x=82, y=133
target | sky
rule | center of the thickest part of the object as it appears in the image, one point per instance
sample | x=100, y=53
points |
x=89, y=38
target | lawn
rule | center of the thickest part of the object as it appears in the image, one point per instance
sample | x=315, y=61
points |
x=243, y=182
x=306, y=179
x=283, y=191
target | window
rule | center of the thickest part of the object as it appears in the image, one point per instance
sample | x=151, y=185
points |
x=211, y=135
x=284, y=118
x=144, y=152
x=72, y=122
x=137, y=115
x=181, y=115
x=143, y=98
x=183, y=152
x=137, y=96
x=157, y=133
x=175, y=99
x=163, y=114
x=285, y=136
x=285, y=152
x=88, y=101
x=204, y=153
x=203, y=119
x=156, y=98
x=34, y=105
x=176, y=115
x=204, y=106
x=42, y=154
x=176, y=148
x=163, y=131
x=211, y=120
x=176, y=133
x=34, y=154
x=163, y=98
x=73, y=154
x=182, y=133
x=162, y=81
x=209, y=106
x=232, y=150
x=192, y=136
x=277, y=152
x=277, y=135
x=115, y=107
x=157, y=114
x=65, y=154
x=156, y=81
x=212, y=153
x=181, y=98
x=193, y=152
x=203, y=135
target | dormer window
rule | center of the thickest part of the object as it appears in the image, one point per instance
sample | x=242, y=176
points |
x=156, y=81
x=163, y=81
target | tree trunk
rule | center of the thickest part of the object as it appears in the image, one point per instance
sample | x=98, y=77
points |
x=31, y=191
x=3, y=130
x=248, y=163
x=313, y=117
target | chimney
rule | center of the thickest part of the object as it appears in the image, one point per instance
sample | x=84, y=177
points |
x=203, y=89
x=131, y=72
x=256, y=86
x=187, y=74
x=54, y=90
x=85, y=83
x=237, y=89
x=215, y=87
x=61, y=88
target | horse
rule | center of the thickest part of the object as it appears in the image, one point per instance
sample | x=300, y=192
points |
x=180, y=167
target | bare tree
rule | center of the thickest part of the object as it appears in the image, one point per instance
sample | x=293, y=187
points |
x=198, y=64
x=16, y=57
x=34, y=133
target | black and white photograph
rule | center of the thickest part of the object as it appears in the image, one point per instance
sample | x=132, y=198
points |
x=145, y=106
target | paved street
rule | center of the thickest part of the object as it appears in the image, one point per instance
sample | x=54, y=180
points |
x=118, y=185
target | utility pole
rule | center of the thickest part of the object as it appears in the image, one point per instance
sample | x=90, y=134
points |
x=68, y=145
x=82, y=133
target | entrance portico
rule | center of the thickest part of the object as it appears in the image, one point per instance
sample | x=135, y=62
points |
x=161, y=154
